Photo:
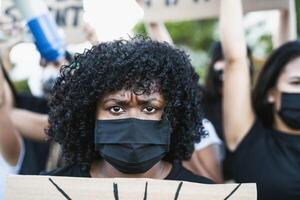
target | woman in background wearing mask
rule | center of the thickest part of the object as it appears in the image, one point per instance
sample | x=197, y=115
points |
x=127, y=109
x=264, y=136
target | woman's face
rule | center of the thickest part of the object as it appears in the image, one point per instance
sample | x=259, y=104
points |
x=125, y=104
x=144, y=153
x=288, y=81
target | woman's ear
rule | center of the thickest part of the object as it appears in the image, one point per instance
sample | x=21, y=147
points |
x=271, y=96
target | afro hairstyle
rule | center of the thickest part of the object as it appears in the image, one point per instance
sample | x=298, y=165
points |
x=138, y=64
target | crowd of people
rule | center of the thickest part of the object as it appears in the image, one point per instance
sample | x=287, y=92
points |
x=134, y=108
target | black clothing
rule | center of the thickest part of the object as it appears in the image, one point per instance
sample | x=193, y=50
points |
x=32, y=103
x=271, y=159
x=36, y=153
x=213, y=112
x=83, y=170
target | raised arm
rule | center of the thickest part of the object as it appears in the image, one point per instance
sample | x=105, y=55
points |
x=30, y=124
x=158, y=31
x=10, y=140
x=238, y=112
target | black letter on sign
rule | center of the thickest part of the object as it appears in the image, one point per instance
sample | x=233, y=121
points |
x=77, y=10
x=171, y=2
x=60, y=17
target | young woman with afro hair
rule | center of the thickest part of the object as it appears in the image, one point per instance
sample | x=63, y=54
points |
x=127, y=109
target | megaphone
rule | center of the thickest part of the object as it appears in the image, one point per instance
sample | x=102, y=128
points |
x=43, y=27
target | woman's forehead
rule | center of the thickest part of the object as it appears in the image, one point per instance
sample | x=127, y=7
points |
x=129, y=94
x=290, y=73
x=293, y=67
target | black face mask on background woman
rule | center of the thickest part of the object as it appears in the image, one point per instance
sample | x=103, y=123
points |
x=290, y=109
x=132, y=145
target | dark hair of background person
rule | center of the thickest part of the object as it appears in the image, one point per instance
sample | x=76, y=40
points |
x=140, y=65
x=211, y=88
x=268, y=77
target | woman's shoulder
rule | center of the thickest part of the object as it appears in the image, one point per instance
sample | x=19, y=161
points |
x=72, y=170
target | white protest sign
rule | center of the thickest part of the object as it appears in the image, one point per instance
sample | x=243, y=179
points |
x=180, y=10
x=174, y=10
x=59, y=188
x=68, y=15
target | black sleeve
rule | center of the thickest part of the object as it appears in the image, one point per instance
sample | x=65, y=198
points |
x=32, y=103
x=36, y=153
x=35, y=157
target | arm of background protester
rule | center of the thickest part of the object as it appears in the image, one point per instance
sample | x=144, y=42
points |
x=238, y=113
x=30, y=124
x=158, y=31
x=10, y=140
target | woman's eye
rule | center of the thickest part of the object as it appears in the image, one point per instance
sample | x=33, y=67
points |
x=116, y=109
x=295, y=82
x=149, y=109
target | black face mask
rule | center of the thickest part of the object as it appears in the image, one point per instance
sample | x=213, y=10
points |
x=218, y=77
x=132, y=145
x=290, y=109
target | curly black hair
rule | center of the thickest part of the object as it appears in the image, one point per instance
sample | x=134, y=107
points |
x=137, y=64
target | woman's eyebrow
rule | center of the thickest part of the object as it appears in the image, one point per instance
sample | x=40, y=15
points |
x=116, y=100
x=147, y=100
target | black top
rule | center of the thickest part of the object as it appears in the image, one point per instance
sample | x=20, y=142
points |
x=36, y=153
x=272, y=160
x=83, y=170
x=213, y=112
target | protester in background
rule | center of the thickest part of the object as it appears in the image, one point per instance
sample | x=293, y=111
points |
x=213, y=97
x=127, y=109
x=264, y=136
x=41, y=84
x=207, y=158
x=10, y=140
x=23, y=118
x=28, y=116
x=19, y=153
x=213, y=87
